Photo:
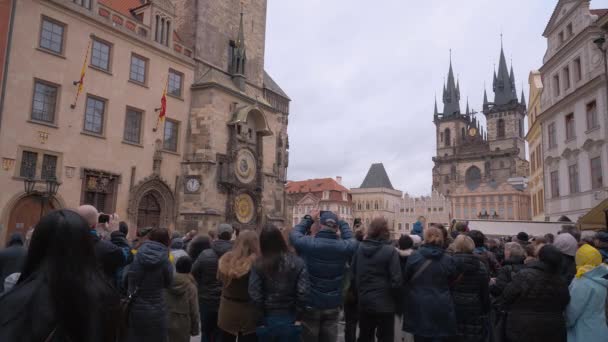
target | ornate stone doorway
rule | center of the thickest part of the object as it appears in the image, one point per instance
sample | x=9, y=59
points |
x=148, y=211
x=27, y=212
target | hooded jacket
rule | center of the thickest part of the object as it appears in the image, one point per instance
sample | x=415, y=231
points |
x=11, y=258
x=182, y=307
x=377, y=276
x=204, y=271
x=326, y=256
x=585, y=314
x=535, y=301
x=149, y=274
x=428, y=304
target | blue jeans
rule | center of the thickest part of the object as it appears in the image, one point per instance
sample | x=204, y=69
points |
x=279, y=328
x=209, y=329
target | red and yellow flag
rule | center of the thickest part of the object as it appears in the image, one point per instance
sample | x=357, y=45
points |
x=80, y=82
x=163, y=108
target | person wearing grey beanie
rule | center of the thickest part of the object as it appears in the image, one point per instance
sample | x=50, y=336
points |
x=567, y=245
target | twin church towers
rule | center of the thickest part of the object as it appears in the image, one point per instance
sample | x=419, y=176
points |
x=476, y=167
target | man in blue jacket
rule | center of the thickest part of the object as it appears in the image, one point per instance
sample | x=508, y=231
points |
x=326, y=255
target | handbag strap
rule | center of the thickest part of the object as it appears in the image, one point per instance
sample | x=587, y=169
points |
x=51, y=335
x=421, y=269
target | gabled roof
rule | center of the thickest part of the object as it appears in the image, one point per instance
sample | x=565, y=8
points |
x=377, y=178
x=599, y=12
x=271, y=85
x=314, y=185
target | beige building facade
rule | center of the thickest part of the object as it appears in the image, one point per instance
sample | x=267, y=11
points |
x=376, y=197
x=220, y=155
x=102, y=147
x=536, y=184
x=573, y=116
x=325, y=194
x=435, y=208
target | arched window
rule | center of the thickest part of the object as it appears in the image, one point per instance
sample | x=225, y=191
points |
x=501, y=128
x=367, y=205
x=447, y=137
x=376, y=205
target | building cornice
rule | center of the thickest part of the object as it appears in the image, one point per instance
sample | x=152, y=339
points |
x=91, y=18
x=569, y=47
x=572, y=97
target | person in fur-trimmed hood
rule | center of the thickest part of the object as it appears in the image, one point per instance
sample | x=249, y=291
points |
x=237, y=315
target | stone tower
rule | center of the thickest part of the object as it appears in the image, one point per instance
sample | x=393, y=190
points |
x=482, y=172
x=235, y=163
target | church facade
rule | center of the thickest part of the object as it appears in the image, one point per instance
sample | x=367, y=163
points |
x=482, y=171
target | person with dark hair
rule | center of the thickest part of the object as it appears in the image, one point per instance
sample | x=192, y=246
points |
x=278, y=287
x=11, y=258
x=470, y=292
x=237, y=316
x=488, y=258
x=376, y=278
x=549, y=238
x=429, y=312
x=405, y=248
x=326, y=255
x=123, y=227
x=150, y=273
x=204, y=271
x=522, y=238
x=536, y=299
x=182, y=303
x=567, y=245
x=198, y=245
x=62, y=294
x=351, y=311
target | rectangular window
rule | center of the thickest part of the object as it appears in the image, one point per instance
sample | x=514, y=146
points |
x=28, y=164
x=175, y=83
x=573, y=178
x=138, y=69
x=49, y=167
x=578, y=71
x=170, y=136
x=570, y=134
x=510, y=212
x=532, y=162
x=44, y=102
x=100, y=55
x=569, y=30
x=84, y=3
x=566, y=77
x=597, y=179
x=556, y=85
x=94, y=115
x=133, y=121
x=542, y=200
x=51, y=35
x=554, y=178
x=592, y=115
x=99, y=190
x=560, y=36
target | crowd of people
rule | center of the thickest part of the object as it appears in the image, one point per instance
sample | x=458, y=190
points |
x=80, y=278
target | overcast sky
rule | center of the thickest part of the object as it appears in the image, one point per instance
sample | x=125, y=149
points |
x=362, y=76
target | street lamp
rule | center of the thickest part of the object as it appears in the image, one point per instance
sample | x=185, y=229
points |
x=52, y=186
x=29, y=184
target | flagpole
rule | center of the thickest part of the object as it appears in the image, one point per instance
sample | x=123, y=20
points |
x=80, y=83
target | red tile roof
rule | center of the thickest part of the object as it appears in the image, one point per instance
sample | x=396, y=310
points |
x=122, y=6
x=314, y=185
x=599, y=12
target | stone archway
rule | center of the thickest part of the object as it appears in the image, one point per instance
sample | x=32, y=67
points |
x=151, y=202
x=23, y=211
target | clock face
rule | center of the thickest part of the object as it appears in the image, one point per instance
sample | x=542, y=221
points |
x=472, y=131
x=245, y=166
x=244, y=208
x=192, y=185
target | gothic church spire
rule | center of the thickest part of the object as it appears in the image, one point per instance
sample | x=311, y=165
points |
x=451, y=94
x=504, y=82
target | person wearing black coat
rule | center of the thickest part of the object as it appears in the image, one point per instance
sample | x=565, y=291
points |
x=536, y=299
x=11, y=258
x=514, y=262
x=148, y=276
x=429, y=312
x=377, y=278
x=204, y=271
x=470, y=292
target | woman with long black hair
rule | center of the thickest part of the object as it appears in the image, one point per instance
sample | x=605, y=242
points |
x=278, y=285
x=61, y=294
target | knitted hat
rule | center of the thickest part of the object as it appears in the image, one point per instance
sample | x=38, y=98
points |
x=587, y=258
x=566, y=244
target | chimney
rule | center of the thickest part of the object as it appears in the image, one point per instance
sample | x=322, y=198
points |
x=339, y=180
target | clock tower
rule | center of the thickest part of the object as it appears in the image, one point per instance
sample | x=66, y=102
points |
x=482, y=172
